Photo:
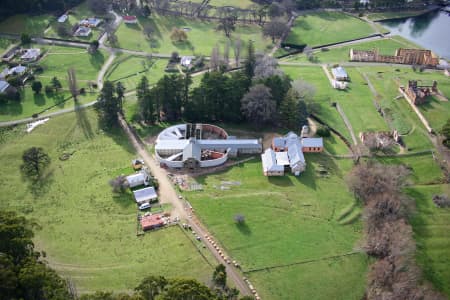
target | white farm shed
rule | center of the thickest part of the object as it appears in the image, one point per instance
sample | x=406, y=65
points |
x=145, y=195
x=136, y=179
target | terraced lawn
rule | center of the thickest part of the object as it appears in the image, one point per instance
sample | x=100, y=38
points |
x=202, y=36
x=130, y=69
x=89, y=233
x=292, y=226
x=431, y=226
x=323, y=28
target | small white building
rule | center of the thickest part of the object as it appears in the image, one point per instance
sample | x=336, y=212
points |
x=31, y=54
x=90, y=22
x=17, y=70
x=137, y=179
x=144, y=195
x=340, y=74
x=83, y=31
x=186, y=61
x=269, y=163
x=63, y=18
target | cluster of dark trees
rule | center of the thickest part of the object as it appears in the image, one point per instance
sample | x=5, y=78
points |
x=389, y=236
x=25, y=275
x=445, y=131
x=11, y=7
x=259, y=93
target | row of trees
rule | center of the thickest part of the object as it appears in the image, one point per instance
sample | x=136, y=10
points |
x=260, y=93
x=389, y=236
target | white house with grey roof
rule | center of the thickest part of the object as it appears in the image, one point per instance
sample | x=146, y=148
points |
x=286, y=154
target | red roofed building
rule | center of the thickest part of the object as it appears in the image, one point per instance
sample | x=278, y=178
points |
x=151, y=222
x=130, y=19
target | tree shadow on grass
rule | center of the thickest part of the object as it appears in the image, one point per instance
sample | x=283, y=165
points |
x=120, y=139
x=243, y=228
x=59, y=99
x=97, y=59
x=39, y=99
x=125, y=200
x=283, y=181
x=13, y=108
x=40, y=186
x=419, y=223
x=83, y=121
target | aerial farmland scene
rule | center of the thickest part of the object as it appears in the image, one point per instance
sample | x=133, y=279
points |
x=224, y=150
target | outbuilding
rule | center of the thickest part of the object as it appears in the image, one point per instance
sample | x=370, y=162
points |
x=340, y=74
x=312, y=144
x=151, y=222
x=147, y=194
x=130, y=19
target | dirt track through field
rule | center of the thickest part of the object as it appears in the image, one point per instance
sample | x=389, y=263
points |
x=167, y=194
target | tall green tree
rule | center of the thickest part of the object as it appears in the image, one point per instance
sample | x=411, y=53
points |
x=250, y=63
x=279, y=85
x=151, y=286
x=220, y=275
x=35, y=161
x=36, y=86
x=169, y=91
x=293, y=111
x=145, y=101
x=108, y=105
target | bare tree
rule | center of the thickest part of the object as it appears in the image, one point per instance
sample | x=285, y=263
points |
x=237, y=50
x=226, y=54
x=369, y=179
x=305, y=90
x=275, y=29
x=214, y=61
x=258, y=105
x=266, y=66
x=119, y=184
x=227, y=25
x=72, y=81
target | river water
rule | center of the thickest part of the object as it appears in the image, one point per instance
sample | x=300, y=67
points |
x=431, y=31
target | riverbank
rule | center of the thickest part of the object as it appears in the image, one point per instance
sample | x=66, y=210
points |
x=396, y=15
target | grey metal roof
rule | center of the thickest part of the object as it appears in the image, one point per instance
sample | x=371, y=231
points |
x=279, y=141
x=339, y=72
x=145, y=194
x=295, y=155
x=269, y=162
x=234, y=144
x=312, y=142
x=3, y=86
x=171, y=144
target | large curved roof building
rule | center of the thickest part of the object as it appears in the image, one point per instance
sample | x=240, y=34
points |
x=200, y=145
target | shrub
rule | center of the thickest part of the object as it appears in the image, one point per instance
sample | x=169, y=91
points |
x=323, y=131
x=48, y=89
x=441, y=200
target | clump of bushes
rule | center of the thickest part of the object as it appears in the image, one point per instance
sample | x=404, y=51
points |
x=323, y=131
